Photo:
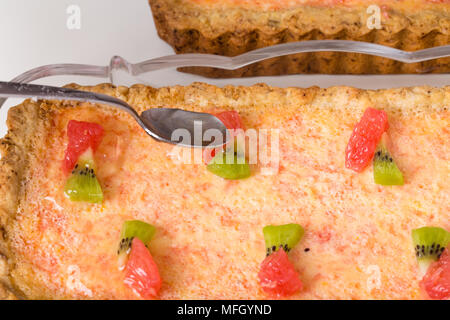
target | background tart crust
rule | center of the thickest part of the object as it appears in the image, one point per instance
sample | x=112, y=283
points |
x=28, y=123
x=190, y=27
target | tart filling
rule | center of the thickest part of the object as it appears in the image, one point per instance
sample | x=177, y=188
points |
x=206, y=225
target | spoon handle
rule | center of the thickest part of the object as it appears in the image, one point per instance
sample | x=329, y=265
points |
x=22, y=90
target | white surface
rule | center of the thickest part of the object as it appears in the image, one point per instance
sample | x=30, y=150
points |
x=35, y=33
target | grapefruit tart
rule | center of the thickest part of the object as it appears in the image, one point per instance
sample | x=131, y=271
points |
x=348, y=197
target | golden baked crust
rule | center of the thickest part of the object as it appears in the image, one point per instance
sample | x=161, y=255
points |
x=232, y=30
x=28, y=123
x=16, y=148
x=5, y=294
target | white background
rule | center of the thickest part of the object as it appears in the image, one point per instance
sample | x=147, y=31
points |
x=35, y=33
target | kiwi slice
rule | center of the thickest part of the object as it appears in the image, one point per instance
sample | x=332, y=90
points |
x=385, y=171
x=283, y=236
x=429, y=243
x=237, y=145
x=131, y=229
x=82, y=185
x=237, y=168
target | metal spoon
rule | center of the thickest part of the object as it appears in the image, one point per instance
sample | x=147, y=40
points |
x=175, y=126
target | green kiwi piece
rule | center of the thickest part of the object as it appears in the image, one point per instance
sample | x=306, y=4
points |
x=385, y=171
x=283, y=236
x=429, y=243
x=237, y=146
x=232, y=167
x=131, y=229
x=82, y=184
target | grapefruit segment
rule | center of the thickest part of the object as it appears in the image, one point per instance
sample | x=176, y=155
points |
x=364, y=139
x=233, y=122
x=82, y=136
x=141, y=272
x=277, y=275
x=436, y=281
x=231, y=119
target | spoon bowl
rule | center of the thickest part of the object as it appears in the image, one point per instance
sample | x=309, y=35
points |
x=186, y=128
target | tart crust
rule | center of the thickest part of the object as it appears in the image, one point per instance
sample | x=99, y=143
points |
x=230, y=30
x=25, y=126
x=28, y=123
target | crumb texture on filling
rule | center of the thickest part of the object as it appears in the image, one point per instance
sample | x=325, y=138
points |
x=358, y=233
